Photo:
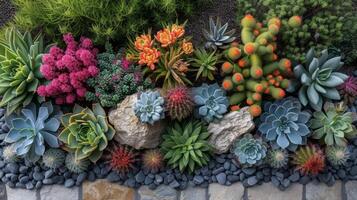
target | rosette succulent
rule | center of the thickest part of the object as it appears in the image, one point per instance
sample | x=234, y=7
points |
x=333, y=125
x=217, y=36
x=150, y=107
x=211, y=101
x=86, y=132
x=319, y=78
x=32, y=129
x=250, y=151
x=20, y=60
x=284, y=123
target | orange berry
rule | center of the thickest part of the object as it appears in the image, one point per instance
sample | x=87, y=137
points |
x=242, y=63
x=249, y=48
x=258, y=72
x=227, y=84
x=255, y=110
x=234, y=53
x=227, y=67
x=259, y=88
x=257, y=96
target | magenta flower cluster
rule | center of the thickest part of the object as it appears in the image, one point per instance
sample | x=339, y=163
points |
x=67, y=70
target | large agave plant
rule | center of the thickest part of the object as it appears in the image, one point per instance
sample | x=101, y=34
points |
x=333, y=125
x=284, y=124
x=20, y=60
x=86, y=132
x=250, y=151
x=32, y=129
x=319, y=78
x=218, y=36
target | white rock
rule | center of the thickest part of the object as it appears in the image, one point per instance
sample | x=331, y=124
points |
x=225, y=131
x=130, y=130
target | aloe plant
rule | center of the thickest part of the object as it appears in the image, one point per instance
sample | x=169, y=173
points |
x=20, y=60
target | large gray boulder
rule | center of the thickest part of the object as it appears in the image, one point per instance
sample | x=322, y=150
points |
x=129, y=129
x=225, y=131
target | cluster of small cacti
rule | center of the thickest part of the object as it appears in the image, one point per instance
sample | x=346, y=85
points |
x=252, y=68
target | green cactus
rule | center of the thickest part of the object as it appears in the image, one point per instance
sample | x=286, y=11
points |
x=53, y=158
x=277, y=158
x=337, y=155
x=74, y=165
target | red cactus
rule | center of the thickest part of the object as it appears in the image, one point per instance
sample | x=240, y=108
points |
x=309, y=160
x=179, y=103
x=152, y=159
x=122, y=159
x=348, y=90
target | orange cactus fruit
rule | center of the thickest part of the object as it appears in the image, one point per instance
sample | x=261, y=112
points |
x=227, y=84
x=285, y=64
x=248, y=21
x=277, y=93
x=227, y=67
x=273, y=28
x=235, y=108
x=255, y=110
x=237, y=78
x=295, y=21
x=234, y=53
x=250, y=48
x=256, y=96
x=275, y=21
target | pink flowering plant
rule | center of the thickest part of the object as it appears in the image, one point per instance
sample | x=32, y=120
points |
x=67, y=70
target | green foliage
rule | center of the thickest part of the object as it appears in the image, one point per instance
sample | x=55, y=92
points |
x=74, y=165
x=333, y=125
x=116, y=80
x=20, y=60
x=337, y=155
x=100, y=19
x=185, y=146
x=86, y=132
x=348, y=45
x=217, y=36
x=53, y=158
x=250, y=151
x=278, y=158
x=205, y=63
x=323, y=22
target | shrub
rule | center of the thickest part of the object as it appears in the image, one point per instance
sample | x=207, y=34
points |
x=250, y=151
x=20, y=60
x=179, y=103
x=323, y=26
x=86, y=132
x=31, y=129
x=185, y=146
x=98, y=19
x=122, y=158
x=117, y=79
x=309, y=160
x=149, y=108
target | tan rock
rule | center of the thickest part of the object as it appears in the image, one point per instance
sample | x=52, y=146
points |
x=104, y=190
x=222, y=192
x=225, y=131
x=129, y=129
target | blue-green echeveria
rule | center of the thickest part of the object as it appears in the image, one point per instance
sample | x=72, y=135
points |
x=250, y=151
x=32, y=129
x=150, y=107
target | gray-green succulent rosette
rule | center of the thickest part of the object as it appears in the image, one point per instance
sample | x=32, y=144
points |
x=250, y=151
x=149, y=107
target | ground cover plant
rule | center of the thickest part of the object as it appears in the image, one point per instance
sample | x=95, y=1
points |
x=136, y=102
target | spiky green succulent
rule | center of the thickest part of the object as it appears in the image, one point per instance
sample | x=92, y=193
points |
x=217, y=36
x=250, y=151
x=33, y=128
x=333, y=126
x=74, y=165
x=185, y=146
x=53, y=158
x=20, y=60
x=337, y=155
x=204, y=63
x=319, y=78
x=86, y=132
x=149, y=108
x=277, y=158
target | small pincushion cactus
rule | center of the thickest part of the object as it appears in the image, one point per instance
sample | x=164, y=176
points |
x=309, y=160
x=348, y=90
x=9, y=153
x=153, y=159
x=277, y=158
x=337, y=155
x=250, y=151
x=122, y=159
x=179, y=103
x=74, y=165
x=53, y=158
x=150, y=107
x=210, y=101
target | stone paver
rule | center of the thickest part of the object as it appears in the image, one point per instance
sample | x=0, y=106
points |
x=162, y=192
x=193, y=193
x=104, y=190
x=351, y=190
x=20, y=194
x=59, y=192
x=322, y=192
x=268, y=191
x=220, y=192
x=2, y=191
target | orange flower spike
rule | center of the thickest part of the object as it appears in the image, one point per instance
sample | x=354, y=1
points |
x=149, y=57
x=187, y=47
x=177, y=30
x=143, y=41
x=165, y=37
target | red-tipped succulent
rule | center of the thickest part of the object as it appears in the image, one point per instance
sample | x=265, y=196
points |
x=153, y=159
x=122, y=158
x=309, y=160
x=179, y=103
x=348, y=90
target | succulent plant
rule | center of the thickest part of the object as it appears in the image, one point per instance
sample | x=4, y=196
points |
x=217, y=36
x=9, y=153
x=337, y=155
x=86, y=132
x=179, y=103
x=250, y=151
x=74, y=165
x=20, y=60
x=284, y=123
x=122, y=158
x=348, y=90
x=185, y=146
x=205, y=63
x=149, y=107
x=31, y=129
x=319, y=78
x=333, y=125
x=53, y=158
x=210, y=101
x=309, y=160
x=277, y=158
x=153, y=159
